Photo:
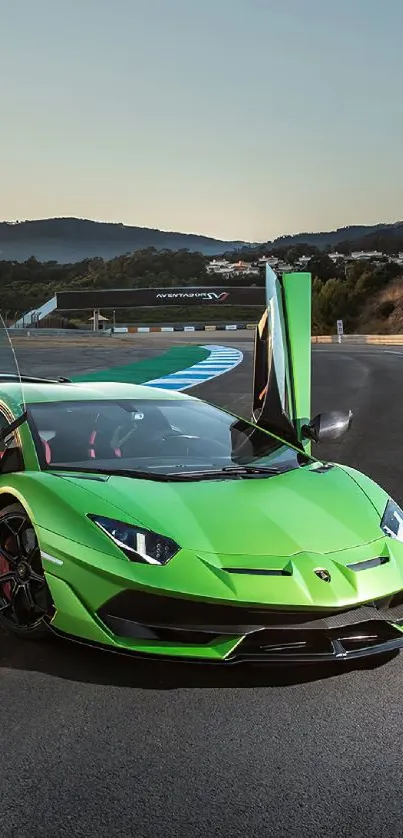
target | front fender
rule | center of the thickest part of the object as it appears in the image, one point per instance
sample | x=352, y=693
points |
x=375, y=494
x=61, y=508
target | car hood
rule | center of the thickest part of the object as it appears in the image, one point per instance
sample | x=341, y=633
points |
x=304, y=510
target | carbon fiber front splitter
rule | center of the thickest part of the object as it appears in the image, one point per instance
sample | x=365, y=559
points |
x=282, y=654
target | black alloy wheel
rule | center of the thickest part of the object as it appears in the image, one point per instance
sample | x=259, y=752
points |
x=25, y=600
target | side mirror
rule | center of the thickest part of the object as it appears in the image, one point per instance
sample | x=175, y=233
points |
x=328, y=426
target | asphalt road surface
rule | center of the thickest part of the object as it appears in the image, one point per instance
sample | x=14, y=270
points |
x=95, y=745
x=68, y=355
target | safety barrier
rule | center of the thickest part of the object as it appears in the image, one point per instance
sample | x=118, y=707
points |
x=385, y=340
x=352, y=340
x=200, y=327
x=124, y=330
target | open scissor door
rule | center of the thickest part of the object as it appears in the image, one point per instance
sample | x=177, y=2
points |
x=282, y=357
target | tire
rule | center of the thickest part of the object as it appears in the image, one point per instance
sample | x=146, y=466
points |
x=26, y=604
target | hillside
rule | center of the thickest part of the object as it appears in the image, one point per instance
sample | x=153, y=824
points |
x=366, y=296
x=383, y=312
x=70, y=240
x=361, y=236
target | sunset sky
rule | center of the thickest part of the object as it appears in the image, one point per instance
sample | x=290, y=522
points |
x=241, y=119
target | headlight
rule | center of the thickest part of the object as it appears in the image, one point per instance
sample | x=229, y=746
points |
x=137, y=544
x=392, y=521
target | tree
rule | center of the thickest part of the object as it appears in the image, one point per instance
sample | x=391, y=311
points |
x=330, y=303
x=322, y=267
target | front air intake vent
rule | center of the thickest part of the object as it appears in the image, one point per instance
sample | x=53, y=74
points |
x=368, y=564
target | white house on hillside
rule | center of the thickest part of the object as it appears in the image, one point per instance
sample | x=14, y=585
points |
x=219, y=266
x=366, y=255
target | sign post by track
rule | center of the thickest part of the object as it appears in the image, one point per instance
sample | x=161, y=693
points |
x=340, y=330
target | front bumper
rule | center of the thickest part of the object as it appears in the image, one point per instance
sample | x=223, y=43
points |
x=113, y=605
x=234, y=634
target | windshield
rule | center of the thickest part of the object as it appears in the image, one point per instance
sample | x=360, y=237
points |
x=162, y=436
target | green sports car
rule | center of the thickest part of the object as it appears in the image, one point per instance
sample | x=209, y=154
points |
x=149, y=522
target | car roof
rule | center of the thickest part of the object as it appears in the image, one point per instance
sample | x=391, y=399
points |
x=15, y=393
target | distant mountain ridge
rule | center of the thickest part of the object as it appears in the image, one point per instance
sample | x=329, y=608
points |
x=68, y=240
x=342, y=234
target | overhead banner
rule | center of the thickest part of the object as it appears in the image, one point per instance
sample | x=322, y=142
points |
x=116, y=298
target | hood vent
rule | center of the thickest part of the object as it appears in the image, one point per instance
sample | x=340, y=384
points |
x=368, y=564
x=256, y=572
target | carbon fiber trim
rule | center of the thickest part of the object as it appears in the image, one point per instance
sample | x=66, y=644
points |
x=354, y=617
x=337, y=654
x=270, y=645
x=156, y=610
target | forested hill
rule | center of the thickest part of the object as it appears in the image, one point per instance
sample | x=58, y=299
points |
x=70, y=240
x=367, y=296
x=360, y=236
x=386, y=238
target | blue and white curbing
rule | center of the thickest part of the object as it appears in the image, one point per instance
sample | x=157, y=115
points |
x=221, y=359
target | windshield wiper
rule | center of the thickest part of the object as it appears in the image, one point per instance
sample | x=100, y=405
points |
x=170, y=477
x=118, y=472
x=246, y=469
x=238, y=472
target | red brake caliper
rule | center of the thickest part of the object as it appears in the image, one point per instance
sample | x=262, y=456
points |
x=5, y=567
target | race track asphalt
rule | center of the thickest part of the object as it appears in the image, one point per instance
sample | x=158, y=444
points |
x=97, y=746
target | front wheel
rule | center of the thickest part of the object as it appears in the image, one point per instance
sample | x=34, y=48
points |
x=25, y=600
